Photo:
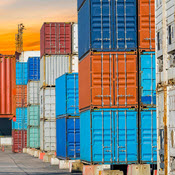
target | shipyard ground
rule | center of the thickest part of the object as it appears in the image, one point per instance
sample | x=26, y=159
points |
x=24, y=164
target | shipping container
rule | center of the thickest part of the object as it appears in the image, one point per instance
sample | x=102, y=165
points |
x=48, y=135
x=33, y=137
x=108, y=80
x=146, y=15
x=33, y=89
x=21, y=119
x=47, y=103
x=159, y=29
x=26, y=54
x=75, y=38
x=74, y=64
x=33, y=115
x=148, y=136
x=67, y=95
x=160, y=128
x=7, y=86
x=5, y=127
x=52, y=67
x=33, y=65
x=68, y=137
x=56, y=39
x=109, y=136
x=19, y=140
x=148, y=79
x=105, y=25
x=21, y=73
x=21, y=96
x=170, y=12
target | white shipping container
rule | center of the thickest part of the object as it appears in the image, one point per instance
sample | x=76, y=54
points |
x=159, y=33
x=75, y=63
x=75, y=38
x=170, y=12
x=52, y=67
x=33, y=88
x=47, y=103
x=26, y=54
x=48, y=135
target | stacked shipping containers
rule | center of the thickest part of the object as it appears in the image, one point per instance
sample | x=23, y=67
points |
x=165, y=59
x=19, y=127
x=117, y=81
x=57, y=58
x=33, y=107
x=67, y=113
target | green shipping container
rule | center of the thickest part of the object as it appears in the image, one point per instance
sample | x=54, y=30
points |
x=33, y=137
x=33, y=115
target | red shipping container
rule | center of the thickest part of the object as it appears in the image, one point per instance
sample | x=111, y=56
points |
x=56, y=38
x=146, y=10
x=108, y=80
x=19, y=140
x=21, y=96
x=7, y=86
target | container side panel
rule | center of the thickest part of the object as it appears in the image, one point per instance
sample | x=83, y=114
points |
x=148, y=79
x=148, y=136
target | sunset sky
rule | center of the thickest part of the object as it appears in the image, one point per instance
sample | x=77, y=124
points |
x=32, y=13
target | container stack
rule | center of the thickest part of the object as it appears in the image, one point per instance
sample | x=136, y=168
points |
x=117, y=82
x=19, y=127
x=56, y=59
x=147, y=82
x=33, y=106
x=68, y=119
x=165, y=62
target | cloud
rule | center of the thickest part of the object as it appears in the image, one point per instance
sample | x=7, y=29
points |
x=7, y=2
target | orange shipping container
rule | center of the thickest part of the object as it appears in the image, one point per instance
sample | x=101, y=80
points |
x=21, y=96
x=7, y=86
x=108, y=80
x=146, y=10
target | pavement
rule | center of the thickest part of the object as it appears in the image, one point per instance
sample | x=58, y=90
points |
x=24, y=164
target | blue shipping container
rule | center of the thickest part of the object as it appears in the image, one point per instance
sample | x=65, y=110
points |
x=67, y=95
x=21, y=73
x=148, y=136
x=109, y=136
x=68, y=137
x=105, y=25
x=148, y=79
x=79, y=3
x=21, y=119
x=33, y=65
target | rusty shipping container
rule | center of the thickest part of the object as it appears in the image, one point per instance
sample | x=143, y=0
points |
x=21, y=96
x=19, y=140
x=146, y=15
x=7, y=86
x=108, y=80
x=56, y=38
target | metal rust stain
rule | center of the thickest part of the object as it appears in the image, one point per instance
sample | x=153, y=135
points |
x=165, y=132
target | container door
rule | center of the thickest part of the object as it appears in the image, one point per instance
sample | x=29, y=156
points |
x=102, y=136
x=73, y=138
x=148, y=129
x=148, y=79
x=102, y=80
x=125, y=27
x=125, y=76
x=126, y=135
x=101, y=25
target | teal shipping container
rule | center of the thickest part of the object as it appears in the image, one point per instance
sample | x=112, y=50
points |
x=21, y=73
x=33, y=114
x=33, y=137
x=21, y=119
